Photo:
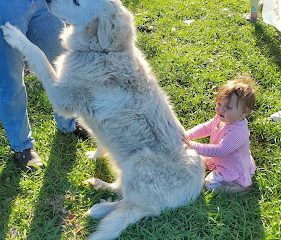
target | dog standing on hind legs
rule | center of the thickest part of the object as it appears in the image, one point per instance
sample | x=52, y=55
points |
x=104, y=79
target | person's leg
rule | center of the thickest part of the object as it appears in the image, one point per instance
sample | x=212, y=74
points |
x=44, y=30
x=13, y=101
x=254, y=9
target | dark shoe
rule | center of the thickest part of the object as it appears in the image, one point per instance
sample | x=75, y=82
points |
x=28, y=160
x=251, y=19
x=81, y=132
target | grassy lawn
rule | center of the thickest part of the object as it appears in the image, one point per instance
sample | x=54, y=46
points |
x=190, y=61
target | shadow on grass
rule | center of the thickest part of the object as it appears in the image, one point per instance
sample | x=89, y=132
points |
x=268, y=45
x=49, y=209
x=211, y=216
x=104, y=171
x=9, y=184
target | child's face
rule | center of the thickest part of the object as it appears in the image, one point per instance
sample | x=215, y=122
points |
x=229, y=111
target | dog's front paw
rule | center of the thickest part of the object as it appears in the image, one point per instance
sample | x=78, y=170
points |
x=13, y=36
x=99, y=211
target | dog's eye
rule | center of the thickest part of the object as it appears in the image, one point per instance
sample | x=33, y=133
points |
x=76, y=2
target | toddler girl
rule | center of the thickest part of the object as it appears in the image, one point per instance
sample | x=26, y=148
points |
x=228, y=155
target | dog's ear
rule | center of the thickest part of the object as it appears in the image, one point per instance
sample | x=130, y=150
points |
x=106, y=27
x=115, y=27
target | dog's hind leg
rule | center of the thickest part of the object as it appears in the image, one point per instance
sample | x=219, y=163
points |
x=100, y=184
x=114, y=223
x=100, y=152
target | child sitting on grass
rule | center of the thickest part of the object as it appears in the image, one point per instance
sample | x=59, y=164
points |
x=228, y=155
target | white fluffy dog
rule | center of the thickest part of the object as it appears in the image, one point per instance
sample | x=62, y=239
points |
x=104, y=79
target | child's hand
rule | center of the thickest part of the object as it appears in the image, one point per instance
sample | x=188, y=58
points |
x=186, y=140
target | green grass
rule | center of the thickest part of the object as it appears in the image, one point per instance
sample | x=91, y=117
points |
x=190, y=61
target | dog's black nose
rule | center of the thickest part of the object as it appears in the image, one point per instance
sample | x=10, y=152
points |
x=48, y=1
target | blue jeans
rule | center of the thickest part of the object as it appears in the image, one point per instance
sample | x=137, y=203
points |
x=33, y=19
x=254, y=6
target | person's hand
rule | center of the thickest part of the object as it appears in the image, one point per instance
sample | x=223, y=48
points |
x=186, y=140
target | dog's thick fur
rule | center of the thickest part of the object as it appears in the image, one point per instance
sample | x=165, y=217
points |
x=104, y=79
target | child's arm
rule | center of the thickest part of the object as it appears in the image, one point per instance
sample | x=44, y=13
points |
x=231, y=141
x=200, y=131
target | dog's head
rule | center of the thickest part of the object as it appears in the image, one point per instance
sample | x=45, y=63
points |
x=106, y=24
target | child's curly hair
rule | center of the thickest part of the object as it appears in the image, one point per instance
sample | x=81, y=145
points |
x=243, y=87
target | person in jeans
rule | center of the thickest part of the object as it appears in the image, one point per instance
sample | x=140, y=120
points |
x=33, y=18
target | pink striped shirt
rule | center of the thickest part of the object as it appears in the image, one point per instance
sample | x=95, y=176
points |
x=228, y=151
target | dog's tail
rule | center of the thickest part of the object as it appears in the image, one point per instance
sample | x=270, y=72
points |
x=114, y=223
